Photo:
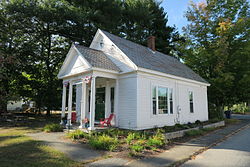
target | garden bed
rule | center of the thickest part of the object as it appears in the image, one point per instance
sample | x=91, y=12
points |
x=124, y=143
x=182, y=133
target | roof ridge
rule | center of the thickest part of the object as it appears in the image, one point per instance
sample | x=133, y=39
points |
x=144, y=57
x=88, y=48
x=137, y=44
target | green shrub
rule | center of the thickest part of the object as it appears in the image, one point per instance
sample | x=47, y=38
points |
x=104, y=142
x=198, y=122
x=231, y=121
x=194, y=132
x=137, y=148
x=240, y=108
x=77, y=134
x=208, y=129
x=214, y=120
x=53, y=128
x=133, y=136
x=158, y=140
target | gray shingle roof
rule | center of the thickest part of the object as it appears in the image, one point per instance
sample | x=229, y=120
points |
x=157, y=61
x=97, y=58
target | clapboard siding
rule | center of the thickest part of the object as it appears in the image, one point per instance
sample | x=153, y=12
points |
x=127, y=102
x=145, y=118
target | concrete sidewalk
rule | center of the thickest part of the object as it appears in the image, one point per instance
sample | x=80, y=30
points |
x=76, y=151
x=179, y=153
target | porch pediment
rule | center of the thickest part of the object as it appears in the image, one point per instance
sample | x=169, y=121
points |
x=74, y=64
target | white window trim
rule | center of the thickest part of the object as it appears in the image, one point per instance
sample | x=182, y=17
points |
x=157, y=102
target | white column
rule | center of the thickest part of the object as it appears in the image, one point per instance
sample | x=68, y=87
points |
x=63, y=102
x=69, y=104
x=92, y=105
x=107, y=100
x=116, y=101
x=83, y=105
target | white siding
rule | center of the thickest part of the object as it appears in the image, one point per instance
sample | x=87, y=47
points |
x=127, y=100
x=145, y=117
x=103, y=43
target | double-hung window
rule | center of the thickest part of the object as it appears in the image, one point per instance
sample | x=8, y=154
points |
x=191, y=101
x=162, y=100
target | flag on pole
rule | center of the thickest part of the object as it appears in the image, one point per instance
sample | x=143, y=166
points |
x=87, y=79
x=66, y=83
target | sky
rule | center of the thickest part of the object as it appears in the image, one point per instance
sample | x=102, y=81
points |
x=175, y=10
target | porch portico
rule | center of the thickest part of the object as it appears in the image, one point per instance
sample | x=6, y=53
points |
x=86, y=96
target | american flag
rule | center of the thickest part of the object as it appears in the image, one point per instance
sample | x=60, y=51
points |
x=66, y=83
x=87, y=79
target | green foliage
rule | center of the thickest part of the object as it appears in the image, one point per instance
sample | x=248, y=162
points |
x=137, y=148
x=231, y=121
x=157, y=140
x=198, y=122
x=198, y=132
x=78, y=134
x=36, y=36
x=194, y=132
x=104, y=142
x=217, y=47
x=53, y=128
x=214, y=120
x=208, y=129
x=240, y=108
x=132, y=136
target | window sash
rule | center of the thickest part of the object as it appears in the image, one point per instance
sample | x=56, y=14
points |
x=171, y=103
x=162, y=100
x=191, y=101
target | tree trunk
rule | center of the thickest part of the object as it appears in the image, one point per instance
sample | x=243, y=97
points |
x=48, y=111
x=3, y=106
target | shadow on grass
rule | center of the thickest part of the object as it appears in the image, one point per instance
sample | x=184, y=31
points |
x=32, y=153
x=4, y=138
x=32, y=123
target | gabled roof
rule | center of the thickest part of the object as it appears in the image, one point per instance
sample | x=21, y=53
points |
x=97, y=58
x=146, y=58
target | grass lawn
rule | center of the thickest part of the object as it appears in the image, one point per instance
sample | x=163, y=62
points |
x=19, y=150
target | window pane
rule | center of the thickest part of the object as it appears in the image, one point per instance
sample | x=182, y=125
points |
x=171, y=100
x=154, y=100
x=191, y=103
x=162, y=100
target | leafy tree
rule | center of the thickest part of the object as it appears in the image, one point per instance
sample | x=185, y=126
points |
x=38, y=35
x=144, y=18
x=9, y=61
x=43, y=47
x=217, y=47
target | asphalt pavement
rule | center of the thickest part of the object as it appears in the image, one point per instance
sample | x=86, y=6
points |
x=233, y=152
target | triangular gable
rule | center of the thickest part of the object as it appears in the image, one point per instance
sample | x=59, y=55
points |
x=121, y=60
x=74, y=63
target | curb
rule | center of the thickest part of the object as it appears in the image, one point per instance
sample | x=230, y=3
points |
x=180, y=162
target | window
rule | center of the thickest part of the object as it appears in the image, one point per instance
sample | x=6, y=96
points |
x=154, y=100
x=191, y=101
x=112, y=99
x=162, y=100
x=171, y=100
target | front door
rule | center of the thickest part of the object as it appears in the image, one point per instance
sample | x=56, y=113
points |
x=100, y=103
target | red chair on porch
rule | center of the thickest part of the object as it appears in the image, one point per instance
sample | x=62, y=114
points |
x=106, y=121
